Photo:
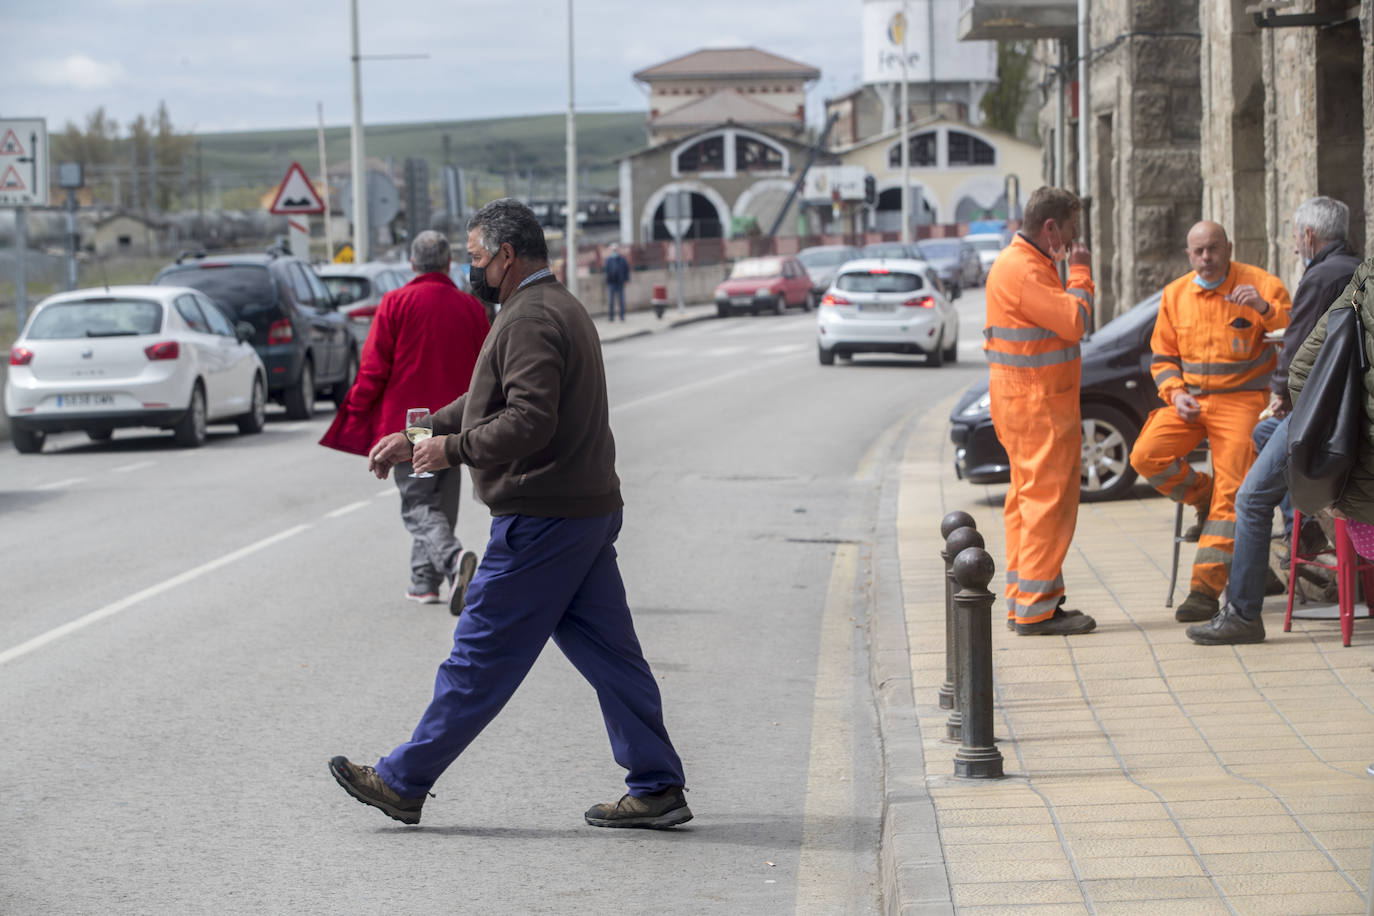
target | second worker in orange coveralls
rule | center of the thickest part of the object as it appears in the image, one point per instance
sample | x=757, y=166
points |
x=1211, y=365
x=1032, y=333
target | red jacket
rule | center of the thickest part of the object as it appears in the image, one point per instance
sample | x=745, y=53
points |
x=420, y=352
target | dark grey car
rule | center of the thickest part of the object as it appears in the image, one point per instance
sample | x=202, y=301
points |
x=956, y=261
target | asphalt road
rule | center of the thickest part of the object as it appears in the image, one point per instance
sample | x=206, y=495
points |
x=188, y=636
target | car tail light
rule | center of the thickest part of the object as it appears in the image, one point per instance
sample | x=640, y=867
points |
x=166, y=349
x=920, y=302
x=366, y=313
x=832, y=299
x=879, y=270
x=20, y=356
x=279, y=332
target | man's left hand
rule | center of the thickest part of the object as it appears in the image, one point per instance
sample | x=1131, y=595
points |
x=389, y=451
x=1248, y=296
x=429, y=455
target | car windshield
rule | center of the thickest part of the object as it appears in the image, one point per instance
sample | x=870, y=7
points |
x=949, y=249
x=347, y=289
x=878, y=281
x=987, y=244
x=890, y=250
x=825, y=257
x=242, y=289
x=96, y=318
x=756, y=267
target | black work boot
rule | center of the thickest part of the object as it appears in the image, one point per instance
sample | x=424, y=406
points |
x=1067, y=612
x=665, y=809
x=364, y=784
x=1063, y=623
x=1227, y=628
x=1195, y=607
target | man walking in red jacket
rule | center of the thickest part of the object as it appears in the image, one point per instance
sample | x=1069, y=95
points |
x=420, y=352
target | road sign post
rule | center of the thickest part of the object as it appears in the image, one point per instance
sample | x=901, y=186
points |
x=23, y=183
x=677, y=219
x=296, y=200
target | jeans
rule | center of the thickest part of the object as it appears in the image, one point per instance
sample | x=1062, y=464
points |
x=1265, y=486
x=1264, y=429
x=614, y=290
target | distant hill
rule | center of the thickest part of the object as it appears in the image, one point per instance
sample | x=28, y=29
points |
x=494, y=147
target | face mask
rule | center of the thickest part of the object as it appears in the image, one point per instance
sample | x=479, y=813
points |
x=1213, y=285
x=1060, y=251
x=477, y=277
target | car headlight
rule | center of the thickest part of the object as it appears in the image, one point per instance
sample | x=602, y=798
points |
x=982, y=405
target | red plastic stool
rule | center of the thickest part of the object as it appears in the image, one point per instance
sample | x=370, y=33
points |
x=1349, y=564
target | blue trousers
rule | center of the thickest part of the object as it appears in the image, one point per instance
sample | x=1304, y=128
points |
x=542, y=578
x=614, y=290
x=1265, y=486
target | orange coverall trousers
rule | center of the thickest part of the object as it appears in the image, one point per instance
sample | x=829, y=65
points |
x=1043, y=436
x=1160, y=456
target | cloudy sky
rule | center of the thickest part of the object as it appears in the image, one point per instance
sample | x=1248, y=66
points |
x=240, y=64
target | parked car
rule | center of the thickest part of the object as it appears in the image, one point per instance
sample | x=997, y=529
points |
x=96, y=360
x=955, y=260
x=764, y=285
x=358, y=289
x=1118, y=393
x=988, y=245
x=903, y=250
x=822, y=262
x=298, y=330
x=887, y=306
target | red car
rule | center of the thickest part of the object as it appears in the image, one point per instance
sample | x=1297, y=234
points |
x=764, y=285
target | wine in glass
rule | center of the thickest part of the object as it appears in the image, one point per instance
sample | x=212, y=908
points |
x=417, y=433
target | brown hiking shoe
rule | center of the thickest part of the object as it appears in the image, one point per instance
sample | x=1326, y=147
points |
x=463, y=571
x=364, y=784
x=1063, y=623
x=666, y=809
x=1197, y=607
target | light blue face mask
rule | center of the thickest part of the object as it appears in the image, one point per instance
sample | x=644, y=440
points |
x=1213, y=285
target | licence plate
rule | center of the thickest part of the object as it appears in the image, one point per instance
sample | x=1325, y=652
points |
x=85, y=400
x=741, y=300
x=877, y=307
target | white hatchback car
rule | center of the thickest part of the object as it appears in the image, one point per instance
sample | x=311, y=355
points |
x=887, y=306
x=162, y=356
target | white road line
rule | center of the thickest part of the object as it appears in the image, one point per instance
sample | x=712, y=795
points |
x=383, y=494
x=59, y=484
x=785, y=348
x=137, y=465
x=723, y=351
x=344, y=510
x=109, y=610
x=692, y=386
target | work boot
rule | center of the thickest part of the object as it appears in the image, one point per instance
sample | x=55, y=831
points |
x=666, y=809
x=366, y=785
x=1063, y=623
x=1195, y=607
x=1227, y=628
x=1067, y=612
x=1202, y=510
x=464, y=569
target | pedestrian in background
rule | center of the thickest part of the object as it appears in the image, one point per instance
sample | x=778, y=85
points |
x=1320, y=227
x=535, y=431
x=617, y=275
x=420, y=352
x=1033, y=328
x=1212, y=367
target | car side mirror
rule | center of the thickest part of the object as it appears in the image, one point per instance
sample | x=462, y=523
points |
x=243, y=331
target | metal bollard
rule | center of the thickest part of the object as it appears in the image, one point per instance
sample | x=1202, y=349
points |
x=959, y=540
x=978, y=756
x=948, y=525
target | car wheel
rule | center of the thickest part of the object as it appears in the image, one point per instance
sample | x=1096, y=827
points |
x=936, y=358
x=99, y=435
x=809, y=302
x=780, y=304
x=952, y=351
x=340, y=390
x=27, y=441
x=1108, y=436
x=722, y=311
x=256, y=418
x=827, y=357
x=300, y=399
x=190, y=429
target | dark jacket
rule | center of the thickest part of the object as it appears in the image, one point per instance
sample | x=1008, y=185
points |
x=534, y=428
x=419, y=352
x=1320, y=285
x=617, y=270
x=1357, y=500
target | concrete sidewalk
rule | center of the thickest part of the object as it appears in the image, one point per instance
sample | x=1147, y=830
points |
x=1145, y=774
x=640, y=323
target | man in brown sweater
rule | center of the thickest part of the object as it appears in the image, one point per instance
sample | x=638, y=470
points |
x=534, y=431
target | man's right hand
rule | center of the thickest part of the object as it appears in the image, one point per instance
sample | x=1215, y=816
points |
x=389, y=451
x=1187, y=406
x=1079, y=254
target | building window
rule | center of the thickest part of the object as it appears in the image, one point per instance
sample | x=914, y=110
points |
x=966, y=149
x=753, y=155
x=706, y=156
x=922, y=151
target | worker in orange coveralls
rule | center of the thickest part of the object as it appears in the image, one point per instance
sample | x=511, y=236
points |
x=1033, y=328
x=1212, y=366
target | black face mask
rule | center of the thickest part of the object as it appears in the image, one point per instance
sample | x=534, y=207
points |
x=477, y=277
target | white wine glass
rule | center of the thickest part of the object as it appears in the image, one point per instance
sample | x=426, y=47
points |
x=417, y=433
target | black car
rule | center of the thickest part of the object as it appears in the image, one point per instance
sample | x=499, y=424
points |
x=298, y=329
x=956, y=261
x=1118, y=393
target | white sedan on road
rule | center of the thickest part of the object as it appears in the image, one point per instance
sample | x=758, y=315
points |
x=161, y=356
x=882, y=305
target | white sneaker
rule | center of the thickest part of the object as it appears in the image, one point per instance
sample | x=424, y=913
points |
x=429, y=597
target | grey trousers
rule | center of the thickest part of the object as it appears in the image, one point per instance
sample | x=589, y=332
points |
x=429, y=510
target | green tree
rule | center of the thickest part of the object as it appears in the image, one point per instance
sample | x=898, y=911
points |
x=1004, y=102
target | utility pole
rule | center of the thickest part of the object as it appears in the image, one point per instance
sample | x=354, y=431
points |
x=930, y=50
x=906, y=142
x=324, y=188
x=362, y=230
x=1084, y=112
x=200, y=196
x=570, y=230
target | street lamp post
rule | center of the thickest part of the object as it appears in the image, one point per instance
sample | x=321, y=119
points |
x=906, y=143
x=570, y=225
x=362, y=234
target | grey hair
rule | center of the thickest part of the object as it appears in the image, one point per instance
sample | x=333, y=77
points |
x=1328, y=218
x=430, y=252
x=509, y=222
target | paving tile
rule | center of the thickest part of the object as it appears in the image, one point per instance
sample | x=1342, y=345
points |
x=1227, y=807
x=998, y=834
x=1044, y=909
x=1139, y=867
x=973, y=817
x=1328, y=904
x=1005, y=852
x=1269, y=863
x=1157, y=889
x=1254, y=843
x=1202, y=906
x=1016, y=893
x=1139, y=811
x=1309, y=882
x=1101, y=848
x=1008, y=869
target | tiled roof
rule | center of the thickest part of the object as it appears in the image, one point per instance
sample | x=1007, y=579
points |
x=725, y=105
x=719, y=62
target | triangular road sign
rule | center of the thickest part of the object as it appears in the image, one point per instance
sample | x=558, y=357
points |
x=296, y=194
x=10, y=145
x=11, y=181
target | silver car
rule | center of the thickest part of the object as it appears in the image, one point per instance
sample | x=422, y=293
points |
x=887, y=306
x=359, y=289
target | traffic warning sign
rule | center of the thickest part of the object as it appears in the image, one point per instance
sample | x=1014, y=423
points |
x=296, y=196
x=23, y=162
x=10, y=181
x=10, y=144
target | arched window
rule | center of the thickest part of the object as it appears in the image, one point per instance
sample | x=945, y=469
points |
x=966, y=149
x=707, y=155
x=922, y=151
x=752, y=155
